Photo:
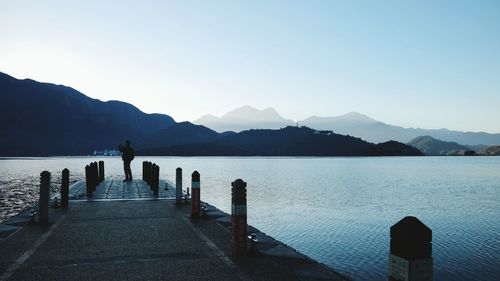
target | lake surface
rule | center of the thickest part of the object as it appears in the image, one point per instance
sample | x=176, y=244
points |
x=336, y=210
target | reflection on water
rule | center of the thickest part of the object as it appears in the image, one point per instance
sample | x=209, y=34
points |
x=336, y=210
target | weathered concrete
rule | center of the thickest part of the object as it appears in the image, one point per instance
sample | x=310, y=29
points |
x=142, y=238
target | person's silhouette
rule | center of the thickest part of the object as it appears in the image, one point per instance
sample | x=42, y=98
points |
x=127, y=157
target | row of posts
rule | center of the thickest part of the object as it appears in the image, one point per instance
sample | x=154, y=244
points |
x=94, y=175
x=238, y=208
x=410, y=256
x=44, y=196
x=151, y=175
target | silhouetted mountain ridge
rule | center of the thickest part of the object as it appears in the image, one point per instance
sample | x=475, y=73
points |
x=48, y=119
x=289, y=141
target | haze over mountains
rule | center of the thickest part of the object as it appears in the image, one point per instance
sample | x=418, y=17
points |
x=245, y=118
x=353, y=123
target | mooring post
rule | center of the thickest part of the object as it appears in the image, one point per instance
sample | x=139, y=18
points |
x=96, y=175
x=101, y=171
x=239, y=217
x=148, y=169
x=92, y=176
x=410, y=256
x=65, y=188
x=178, y=186
x=152, y=176
x=143, y=170
x=88, y=180
x=195, y=194
x=44, y=199
x=156, y=187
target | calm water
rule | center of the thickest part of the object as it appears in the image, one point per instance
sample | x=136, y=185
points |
x=336, y=210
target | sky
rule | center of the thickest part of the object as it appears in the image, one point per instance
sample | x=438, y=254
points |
x=427, y=64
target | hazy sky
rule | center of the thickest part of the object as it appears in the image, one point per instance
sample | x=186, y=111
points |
x=429, y=64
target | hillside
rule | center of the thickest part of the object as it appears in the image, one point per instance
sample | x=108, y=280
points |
x=38, y=119
x=493, y=151
x=431, y=146
x=289, y=141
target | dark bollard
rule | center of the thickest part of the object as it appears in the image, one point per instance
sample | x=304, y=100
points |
x=178, y=186
x=96, y=175
x=152, y=176
x=143, y=170
x=156, y=185
x=93, y=182
x=195, y=194
x=88, y=180
x=101, y=171
x=239, y=217
x=44, y=199
x=411, y=251
x=148, y=171
x=65, y=188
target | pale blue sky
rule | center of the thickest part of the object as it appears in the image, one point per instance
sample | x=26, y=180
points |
x=428, y=64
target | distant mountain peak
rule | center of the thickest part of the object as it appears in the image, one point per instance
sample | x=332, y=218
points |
x=353, y=115
x=244, y=118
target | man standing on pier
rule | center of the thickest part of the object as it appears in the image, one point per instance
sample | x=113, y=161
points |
x=127, y=157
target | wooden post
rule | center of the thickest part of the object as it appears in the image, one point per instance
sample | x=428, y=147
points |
x=239, y=218
x=144, y=170
x=101, y=171
x=88, y=181
x=148, y=171
x=178, y=186
x=65, y=188
x=410, y=256
x=95, y=175
x=195, y=194
x=152, y=176
x=44, y=199
x=156, y=185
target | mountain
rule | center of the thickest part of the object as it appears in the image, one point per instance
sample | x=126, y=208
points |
x=244, y=118
x=183, y=133
x=364, y=127
x=431, y=146
x=493, y=151
x=289, y=141
x=47, y=119
x=353, y=124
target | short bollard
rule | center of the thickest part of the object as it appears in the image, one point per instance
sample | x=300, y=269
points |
x=152, y=177
x=143, y=170
x=148, y=171
x=195, y=194
x=65, y=188
x=156, y=185
x=96, y=175
x=239, y=217
x=93, y=183
x=101, y=171
x=178, y=186
x=411, y=251
x=88, y=180
x=44, y=199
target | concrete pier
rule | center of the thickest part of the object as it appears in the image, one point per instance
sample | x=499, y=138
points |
x=124, y=232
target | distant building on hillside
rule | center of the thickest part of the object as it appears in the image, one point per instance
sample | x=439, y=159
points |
x=106, y=152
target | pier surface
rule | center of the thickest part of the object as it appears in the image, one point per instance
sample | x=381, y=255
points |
x=125, y=233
